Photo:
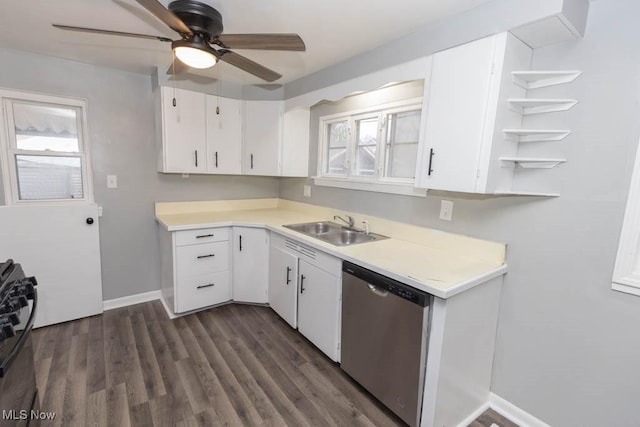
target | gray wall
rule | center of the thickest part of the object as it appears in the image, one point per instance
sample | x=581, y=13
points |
x=121, y=126
x=568, y=346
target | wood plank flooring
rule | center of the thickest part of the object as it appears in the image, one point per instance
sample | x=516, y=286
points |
x=232, y=365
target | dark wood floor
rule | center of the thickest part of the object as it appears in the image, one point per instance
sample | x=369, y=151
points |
x=232, y=365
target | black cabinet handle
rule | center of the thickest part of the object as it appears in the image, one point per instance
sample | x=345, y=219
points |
x=205, y=256
x=241, y=243
x=216, y=159
x=89, y=220
x=196, y=158
x=206, y=286
x=203, y=236
x=301, y=283
x=288, y=271
x=252, y=161
x=431, y=153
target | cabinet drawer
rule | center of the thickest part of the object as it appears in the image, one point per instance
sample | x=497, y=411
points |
x=195, y=260
x=201, y=235
x=195, y=292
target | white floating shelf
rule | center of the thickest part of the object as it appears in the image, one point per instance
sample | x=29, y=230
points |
x=533, y=162
x=526, y=193
x=526, y=106
x=535, y=135
x=537, y=79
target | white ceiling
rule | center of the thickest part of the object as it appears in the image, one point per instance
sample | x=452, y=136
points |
x=333, y=30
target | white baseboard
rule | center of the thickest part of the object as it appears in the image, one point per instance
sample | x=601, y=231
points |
x=512, y=412
x=130, y=300
x=475, y=414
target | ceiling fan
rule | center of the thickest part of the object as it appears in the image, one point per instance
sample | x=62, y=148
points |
x=200, y=29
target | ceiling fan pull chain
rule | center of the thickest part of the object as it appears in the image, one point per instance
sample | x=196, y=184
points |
x=218, y=91
x=173, y=65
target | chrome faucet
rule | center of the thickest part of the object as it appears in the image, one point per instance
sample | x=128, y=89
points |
x=367, y=230
x=349, y=221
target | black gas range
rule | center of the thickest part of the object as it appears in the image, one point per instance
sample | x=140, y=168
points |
x=18, y=392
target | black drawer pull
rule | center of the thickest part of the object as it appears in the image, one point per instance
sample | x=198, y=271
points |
x=302, y=289
x=206, y=286
x=206, y=256
x=204, y=235
x=288, y=271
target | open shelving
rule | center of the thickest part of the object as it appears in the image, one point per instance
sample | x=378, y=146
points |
x=533, y=162
x=538, y=79
x=526, y=106
x=535, y=135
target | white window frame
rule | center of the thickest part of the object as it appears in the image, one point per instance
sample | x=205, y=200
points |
x=8, y=149
x=626, y=273
x=377, y=182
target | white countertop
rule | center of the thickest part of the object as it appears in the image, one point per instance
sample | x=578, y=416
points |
x=438, y=264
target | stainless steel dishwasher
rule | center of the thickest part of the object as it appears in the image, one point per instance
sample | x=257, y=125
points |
x=385, y=329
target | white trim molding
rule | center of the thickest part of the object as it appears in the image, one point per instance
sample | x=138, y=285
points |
x=514, y=413
x=369, y=185
x=626, y=273
x=130, y=300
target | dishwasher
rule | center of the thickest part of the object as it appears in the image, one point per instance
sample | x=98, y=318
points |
x=385, y=330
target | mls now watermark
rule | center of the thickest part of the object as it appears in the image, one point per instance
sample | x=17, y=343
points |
x=23, y=414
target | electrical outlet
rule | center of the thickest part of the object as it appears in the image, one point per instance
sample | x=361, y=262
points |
x=307, y=191
x=112, y=181
x=446, y=210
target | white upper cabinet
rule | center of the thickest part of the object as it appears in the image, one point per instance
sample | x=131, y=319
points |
x=295, y=142
x=224, y=135
x=183, y=131
x=262, y=137
x=465, y=111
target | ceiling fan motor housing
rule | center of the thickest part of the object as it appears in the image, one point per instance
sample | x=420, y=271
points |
x=199, y=17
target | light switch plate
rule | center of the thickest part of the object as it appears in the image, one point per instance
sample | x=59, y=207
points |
x=446, y=210
x=112, y=181
x=307, y=191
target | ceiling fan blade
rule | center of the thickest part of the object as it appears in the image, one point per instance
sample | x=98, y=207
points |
x=248, y=65
x=177, y=67
x=262, y=41
x=111, y=33
x=165, y=15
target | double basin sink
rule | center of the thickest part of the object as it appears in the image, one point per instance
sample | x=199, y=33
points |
x=334, y=233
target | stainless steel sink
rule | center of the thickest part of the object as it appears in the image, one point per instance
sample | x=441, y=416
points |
x=334, y=233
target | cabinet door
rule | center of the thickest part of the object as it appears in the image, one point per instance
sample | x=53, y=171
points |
x=250, y=264
x=454, y=111
x=183, y=131
x=262, y=137
x=319, y=308
x=224, y=135
x=283, y=284
x=295, y=142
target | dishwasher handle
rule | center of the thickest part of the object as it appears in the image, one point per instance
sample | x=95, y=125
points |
x=377, y=291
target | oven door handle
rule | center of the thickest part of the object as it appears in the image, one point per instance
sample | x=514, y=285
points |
x=4, y=364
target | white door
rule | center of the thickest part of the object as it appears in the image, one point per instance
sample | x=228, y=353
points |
x=58, y=246
x=250, y=264
x=184, y=131
x=283, y=284
x=261, y=137
x=224, y=135
x=455, y=103
x=319, y=308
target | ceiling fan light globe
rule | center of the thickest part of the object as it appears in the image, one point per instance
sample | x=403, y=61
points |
x=194, y=57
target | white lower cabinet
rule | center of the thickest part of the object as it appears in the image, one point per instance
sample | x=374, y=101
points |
x=305, y=288
x=283, y=284
x=196, y=268
x=319, y=308
x=250, y=264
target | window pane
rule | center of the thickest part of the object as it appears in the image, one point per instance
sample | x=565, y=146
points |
x=401, y=148
x=338, y=134
x=367, y=132
x=39, y=127
x=48, y=177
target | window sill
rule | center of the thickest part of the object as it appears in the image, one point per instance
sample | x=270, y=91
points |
x=628, y=284
x=377, y=186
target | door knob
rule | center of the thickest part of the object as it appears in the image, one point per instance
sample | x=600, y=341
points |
x=89, y=220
